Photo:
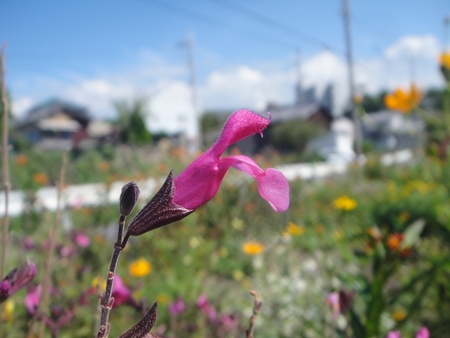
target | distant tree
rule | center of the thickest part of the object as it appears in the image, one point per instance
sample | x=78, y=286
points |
x=434, y=99
x=131, y=118
x=293, y=136
x=373, y=103
x=210, y=121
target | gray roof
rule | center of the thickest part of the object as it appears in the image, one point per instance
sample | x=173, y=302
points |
x=52, y=107
x=296, y=112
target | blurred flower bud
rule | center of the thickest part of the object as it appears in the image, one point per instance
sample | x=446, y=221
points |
x=128, y=198
x=16, y=279
x=159, y=211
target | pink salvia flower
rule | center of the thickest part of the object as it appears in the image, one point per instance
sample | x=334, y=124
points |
x=423, y=333
x=200, y=181
x=393, y=334
x=16, y=280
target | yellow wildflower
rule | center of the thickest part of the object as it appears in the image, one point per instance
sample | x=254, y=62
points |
x=8, y=309
x=345, y=203
x=99, y=283
x=253, y=248
x=294, y=230
x=403, y=217
x=162, y=298
x=238, y=275
x=140, y=268
x=40, y=178
x=404, y=101
x=337, y=235
x=358, y=99
x=399, y=315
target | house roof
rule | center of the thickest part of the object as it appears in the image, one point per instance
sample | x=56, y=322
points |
x=391, y=121
x=51, y=108
x=295, y=112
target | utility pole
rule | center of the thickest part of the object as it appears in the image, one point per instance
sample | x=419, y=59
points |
x=348, y=45
x=189, y=44
x=299, y=97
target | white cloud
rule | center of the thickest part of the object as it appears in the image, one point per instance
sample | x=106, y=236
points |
x=21, y=105
x=234, y=87
x=414, y=46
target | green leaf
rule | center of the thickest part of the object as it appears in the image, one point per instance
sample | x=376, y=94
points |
x=412, y=234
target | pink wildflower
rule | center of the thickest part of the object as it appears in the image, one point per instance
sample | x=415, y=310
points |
x=121, y=292
x=333, y=301
x=82, y=240
x=177, y=307
x=423, y=333
x=393, y=334
x=203, y=304
x=32, y=299
x=200, y=181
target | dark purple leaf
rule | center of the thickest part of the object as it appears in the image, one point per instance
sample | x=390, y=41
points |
x=159, y=211
x=143, y=327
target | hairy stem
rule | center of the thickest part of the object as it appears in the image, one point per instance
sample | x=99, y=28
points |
x=107, y=301
x=5, y=152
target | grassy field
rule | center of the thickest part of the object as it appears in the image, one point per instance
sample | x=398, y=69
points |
x=379, y=235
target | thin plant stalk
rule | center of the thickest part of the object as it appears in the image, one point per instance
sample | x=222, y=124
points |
x=48, y=263
x=5, y=153
x=107, y=301
x=256, y=307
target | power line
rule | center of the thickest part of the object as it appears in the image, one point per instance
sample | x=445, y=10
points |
x=272, y=23
x=198, y=17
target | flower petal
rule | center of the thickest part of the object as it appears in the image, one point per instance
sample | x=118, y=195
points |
x=240, y=125
x=272, y=185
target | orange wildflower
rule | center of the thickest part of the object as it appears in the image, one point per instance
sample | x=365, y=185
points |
x=399, y=315
x=103, y=166
x=394, y=240
x=444, y=60
x=22, y=160
x=40, y=178
x=403, y=100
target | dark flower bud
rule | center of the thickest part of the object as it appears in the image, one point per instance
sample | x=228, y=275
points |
x=345, y=300
x=143, y=327
x=159, y=211
x=16, y=279
x=128, y=198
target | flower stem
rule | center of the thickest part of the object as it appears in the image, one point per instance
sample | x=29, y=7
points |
x=5, y=152
x=107, y=301
x=256, y=308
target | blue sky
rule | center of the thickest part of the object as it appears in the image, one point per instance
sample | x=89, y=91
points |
x=246, y=53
